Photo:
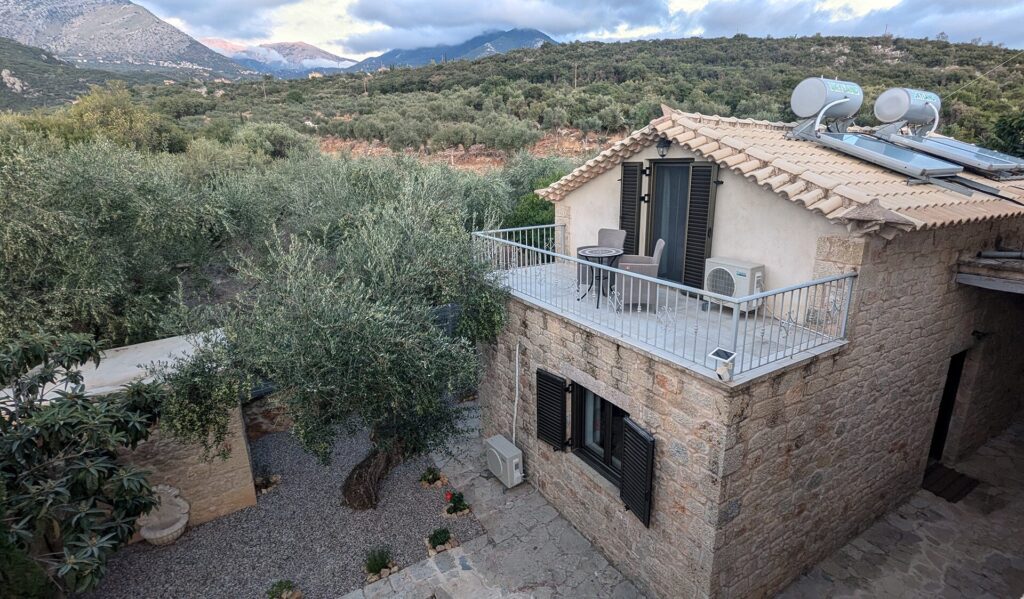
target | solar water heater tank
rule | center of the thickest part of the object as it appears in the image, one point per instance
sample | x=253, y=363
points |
x=905, y=104
x=813, y=94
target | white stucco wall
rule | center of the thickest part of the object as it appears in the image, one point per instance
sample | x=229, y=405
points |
x=751, y=223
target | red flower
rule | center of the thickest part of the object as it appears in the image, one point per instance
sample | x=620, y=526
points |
x=447, y=495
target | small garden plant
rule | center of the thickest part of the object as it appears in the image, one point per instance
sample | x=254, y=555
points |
x=430, y=476
x=377, y=560
x=440, y=536
x=283, y=589
x=456, y=503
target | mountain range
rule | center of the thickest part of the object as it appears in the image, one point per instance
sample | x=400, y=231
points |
x=487, y=44
x=113, y=35
x=283, y=59
x=127, y=41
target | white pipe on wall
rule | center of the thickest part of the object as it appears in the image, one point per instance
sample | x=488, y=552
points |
x=515, y=405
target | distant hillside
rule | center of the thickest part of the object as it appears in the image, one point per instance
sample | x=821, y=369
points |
x=510, y=98
x=488, y=44
x=31, y=77
x=281, y=59
x=114, y=35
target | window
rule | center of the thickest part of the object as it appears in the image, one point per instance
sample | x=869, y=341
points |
x=598, y=435
x=603, y=436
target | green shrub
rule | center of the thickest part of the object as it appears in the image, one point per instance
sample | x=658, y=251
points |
x=280, y=589
x=275, y=140
x=70, y=503
x=431, y=475
x=21, y=577
x=377, y=560
x=440, y=536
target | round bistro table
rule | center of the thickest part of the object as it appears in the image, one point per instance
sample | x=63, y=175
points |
x=605, y=256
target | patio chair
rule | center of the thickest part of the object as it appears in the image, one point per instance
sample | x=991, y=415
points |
x=636, y=292
x=606, y=238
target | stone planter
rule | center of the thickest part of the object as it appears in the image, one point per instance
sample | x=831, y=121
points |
x=167, y=521
x=384, y=573
x=441, y=482
x=456, y=514
x=432, y=551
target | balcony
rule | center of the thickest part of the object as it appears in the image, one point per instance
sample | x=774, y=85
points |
x=729, y=338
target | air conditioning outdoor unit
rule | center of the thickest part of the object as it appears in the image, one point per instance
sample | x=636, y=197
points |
x=735, y=278
x=505, y=460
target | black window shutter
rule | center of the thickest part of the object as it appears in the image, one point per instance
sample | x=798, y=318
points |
x=629, y=204
x=699, y=219
x=551, y=409
x=637, y=470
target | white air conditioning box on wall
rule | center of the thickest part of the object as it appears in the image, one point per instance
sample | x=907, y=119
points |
x=504, y=460
x=735, y=278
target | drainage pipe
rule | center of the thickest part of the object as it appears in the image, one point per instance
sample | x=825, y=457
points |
x=1014, y=255
x=515, y=406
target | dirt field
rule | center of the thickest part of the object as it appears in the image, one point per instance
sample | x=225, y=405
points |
x=564, y=142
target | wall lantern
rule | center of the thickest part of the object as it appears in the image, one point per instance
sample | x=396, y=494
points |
x=663, y=145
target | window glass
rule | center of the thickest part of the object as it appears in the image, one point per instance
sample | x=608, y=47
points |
x=616, y=437
x=598, y=424
x=593, y=428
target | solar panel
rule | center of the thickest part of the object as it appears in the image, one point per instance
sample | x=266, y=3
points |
x=889, y=155
x=969, y=155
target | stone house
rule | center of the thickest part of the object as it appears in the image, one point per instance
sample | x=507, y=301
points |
x=873, y=344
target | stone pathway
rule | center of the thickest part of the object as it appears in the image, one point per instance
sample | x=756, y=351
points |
x=931, y=548
x=528, y=551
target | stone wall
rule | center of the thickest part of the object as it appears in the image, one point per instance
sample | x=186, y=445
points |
x=213, y=487
x=757, y=481
x=673, y=558
x=816, y=454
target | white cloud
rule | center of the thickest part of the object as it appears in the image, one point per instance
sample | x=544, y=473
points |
x=360, y=28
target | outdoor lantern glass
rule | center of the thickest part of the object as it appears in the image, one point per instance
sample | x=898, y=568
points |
x=663, y=145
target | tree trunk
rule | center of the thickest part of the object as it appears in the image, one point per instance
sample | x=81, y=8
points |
x=361, y=489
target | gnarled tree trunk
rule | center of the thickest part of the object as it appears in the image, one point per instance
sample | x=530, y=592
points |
x=361, y=489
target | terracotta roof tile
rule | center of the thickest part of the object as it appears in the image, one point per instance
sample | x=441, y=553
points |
x=840, y=187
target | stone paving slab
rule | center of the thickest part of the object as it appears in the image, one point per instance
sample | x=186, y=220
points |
x=929, y=548
x=529, y=551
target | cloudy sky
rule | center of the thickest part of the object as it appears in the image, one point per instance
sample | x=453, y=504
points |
x=359, y=28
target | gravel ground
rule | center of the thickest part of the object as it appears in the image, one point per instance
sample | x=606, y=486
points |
x=298, y=531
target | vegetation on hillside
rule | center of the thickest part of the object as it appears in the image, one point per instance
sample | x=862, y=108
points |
x=35, y=77
x=504, y=101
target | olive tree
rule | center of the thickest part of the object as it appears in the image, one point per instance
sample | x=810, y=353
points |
x=344, y=359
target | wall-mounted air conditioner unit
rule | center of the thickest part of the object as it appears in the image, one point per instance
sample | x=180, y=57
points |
x=504, y=460
x=735, y=278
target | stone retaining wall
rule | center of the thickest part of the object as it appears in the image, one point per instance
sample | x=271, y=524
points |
x=213, y=487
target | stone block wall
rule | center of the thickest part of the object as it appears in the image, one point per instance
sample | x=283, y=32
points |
x=672, y=558
x=819, y=452
x=213, y=487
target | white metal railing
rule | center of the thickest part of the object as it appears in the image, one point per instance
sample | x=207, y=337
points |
x=683, y=323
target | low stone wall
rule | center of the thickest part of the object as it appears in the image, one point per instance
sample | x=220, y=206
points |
x=213, y=487
x=264, y=416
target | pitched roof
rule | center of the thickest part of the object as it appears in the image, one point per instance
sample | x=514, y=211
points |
x=840, y=187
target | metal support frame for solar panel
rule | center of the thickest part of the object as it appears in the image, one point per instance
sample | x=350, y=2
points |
x=987, y=162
